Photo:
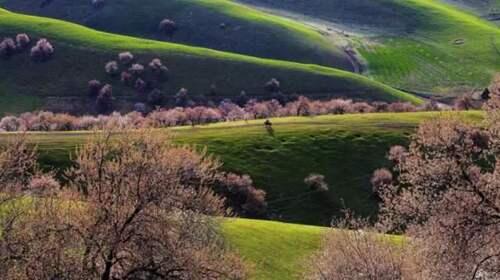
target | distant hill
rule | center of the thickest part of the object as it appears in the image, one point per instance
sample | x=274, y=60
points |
x=420, y=45
x=217, y=24
x=81, y=53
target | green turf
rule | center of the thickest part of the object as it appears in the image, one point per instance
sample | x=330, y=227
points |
x=11, y=103
x=346, y=149
x=420, y=45
x=246, y=31
x=277, y=251
x=81, y=54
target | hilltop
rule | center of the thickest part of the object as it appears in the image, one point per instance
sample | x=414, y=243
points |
x=419, y=45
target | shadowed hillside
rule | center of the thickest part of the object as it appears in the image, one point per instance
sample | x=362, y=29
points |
x=421, y=45
x=81, y=53
x=216, y=24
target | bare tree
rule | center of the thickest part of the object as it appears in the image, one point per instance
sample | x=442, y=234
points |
x=7, y=47
x=22, y=41
x=42, y=51
x=135, y=207
x=354, y=250
x=168, y=27
x=445, y=194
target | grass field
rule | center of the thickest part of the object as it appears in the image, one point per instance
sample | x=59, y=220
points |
x=346, y=149
x=275, y=250
x=421, y=45
x=81, y=54
x=245, y=30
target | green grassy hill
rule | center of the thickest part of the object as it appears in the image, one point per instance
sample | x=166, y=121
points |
x=483, y=8
x=276, y=251
x=346, y=149
x=422, y=45
x=81, y=54
x=216, y=24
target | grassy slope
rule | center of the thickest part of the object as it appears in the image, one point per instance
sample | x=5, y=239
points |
x=248, y=31
x=346, y=149
x=415, y=47
x=276, y=250
x=82, y=52
x=482, y=8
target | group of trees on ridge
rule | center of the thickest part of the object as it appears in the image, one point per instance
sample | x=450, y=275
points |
x=41, y=51
x=198, y=115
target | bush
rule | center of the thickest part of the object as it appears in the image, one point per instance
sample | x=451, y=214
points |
x=43, y=184
x=380, y=106
x=155, y=97
x=42, y=51
x=94, y=87
x=136, y=69
x=140, y=85
x=126, y=78
x=316, y=182
x=400, y=107
x=362, y=107
x=273, y=85
x=241, y=196
x=140, y=107
x=157, y=66
x=464, y=102
x=104, y=100
x=339, y=106
x=242, y=99
x=11, y=123
x=125, y=58
x=381, y=177
x=168, y=27
x=22, y=41
x=354, y=250
x=397, y=154
x=111, y=68
x=7, y=47
x=181, y=98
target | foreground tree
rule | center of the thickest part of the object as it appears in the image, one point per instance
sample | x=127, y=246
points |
x=137, y=207
x=354, y=250
x=446, y=194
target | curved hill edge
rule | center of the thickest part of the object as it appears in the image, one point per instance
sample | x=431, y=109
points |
x=77, y=37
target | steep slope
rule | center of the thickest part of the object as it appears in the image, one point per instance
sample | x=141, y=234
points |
x=81, y=54
x=420, y=45
x=345, y=149
x=216, y=24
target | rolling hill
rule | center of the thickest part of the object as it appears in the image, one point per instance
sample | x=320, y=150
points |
x=346, y=149
x=419, y=45
x=81, y=54
x=275, y=250
x=215, y=24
